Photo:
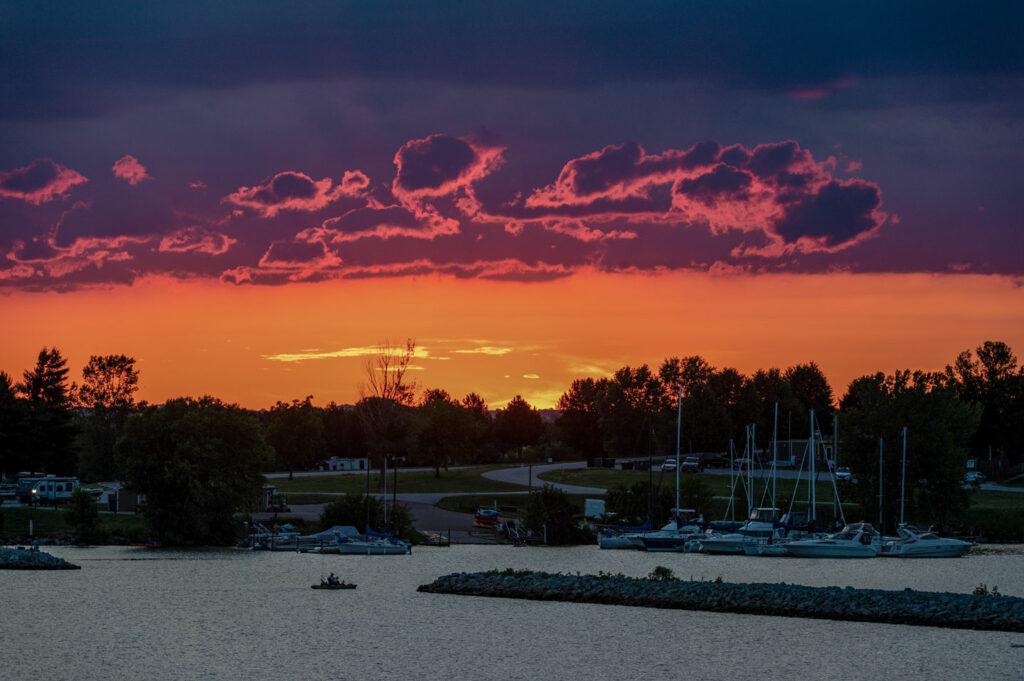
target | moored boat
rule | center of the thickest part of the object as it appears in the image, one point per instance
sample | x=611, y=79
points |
x=858, y=540
x=913, y=543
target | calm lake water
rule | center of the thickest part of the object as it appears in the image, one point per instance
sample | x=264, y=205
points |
x=138, y=614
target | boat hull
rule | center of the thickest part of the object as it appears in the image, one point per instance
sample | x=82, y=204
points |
x=831, y=551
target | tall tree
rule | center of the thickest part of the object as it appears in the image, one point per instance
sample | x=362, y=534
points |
x=518, y=425
x=811, y=389
x=485, y=449
x=296, y=433
x=385, y=399
x=443, y=431
x=14, y=420
x=635, y=410
x=995, y=382
x=579, y=416
x=50, y=431
x=197, y=462
x=107, y=395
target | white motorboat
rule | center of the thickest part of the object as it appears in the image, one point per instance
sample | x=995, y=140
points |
x=675, y=536
x=859, y=540
x=761, y=525
x=614, y=539
x=914, y=543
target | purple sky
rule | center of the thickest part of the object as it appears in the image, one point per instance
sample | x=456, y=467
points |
x=267, y=143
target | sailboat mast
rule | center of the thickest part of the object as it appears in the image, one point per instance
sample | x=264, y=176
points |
x=775, y=450
x=814, y=475
x=903, y=475
x=679, y=439
x=881, y=527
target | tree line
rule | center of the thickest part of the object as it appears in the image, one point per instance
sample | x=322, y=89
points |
x=204, y=448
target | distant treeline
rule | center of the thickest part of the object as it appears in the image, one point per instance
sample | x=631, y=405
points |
x=96, y=429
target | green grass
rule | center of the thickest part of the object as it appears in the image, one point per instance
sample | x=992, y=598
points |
x=410, y=482
x=993, y=500
x=48, y=521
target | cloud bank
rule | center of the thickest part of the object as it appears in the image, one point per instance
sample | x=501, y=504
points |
x=447, y=211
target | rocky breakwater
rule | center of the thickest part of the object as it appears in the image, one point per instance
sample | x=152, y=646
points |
x=958, y=611
x=25, y=559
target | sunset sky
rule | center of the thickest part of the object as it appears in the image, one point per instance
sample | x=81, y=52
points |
x=247, y=198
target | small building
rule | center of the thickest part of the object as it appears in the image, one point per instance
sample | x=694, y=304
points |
x=337, y=463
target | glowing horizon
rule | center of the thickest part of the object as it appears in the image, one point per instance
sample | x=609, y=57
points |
x=254, y=346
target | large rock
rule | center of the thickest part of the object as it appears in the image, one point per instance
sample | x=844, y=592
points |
x=25, y=559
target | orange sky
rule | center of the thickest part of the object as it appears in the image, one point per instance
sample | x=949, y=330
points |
x=501, y=338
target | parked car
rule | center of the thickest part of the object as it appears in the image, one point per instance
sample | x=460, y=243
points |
x=691, y=464
x=716, y=462
x=975, y=477
x=843, y=473
x=668, y=465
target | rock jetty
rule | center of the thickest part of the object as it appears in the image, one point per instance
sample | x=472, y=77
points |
x=957, y=611
x=25, y=559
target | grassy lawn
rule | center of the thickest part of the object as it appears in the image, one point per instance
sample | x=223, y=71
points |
x=410, y=482
x=48, y=521
x=997, y=500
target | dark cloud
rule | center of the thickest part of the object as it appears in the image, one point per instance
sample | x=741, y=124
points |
x=722, y=182
x=38, y=182
x=841, y=212
x=296, y=192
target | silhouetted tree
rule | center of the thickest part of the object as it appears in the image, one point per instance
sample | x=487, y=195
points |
x=49, y=431
x=579, y=418
x=635, y=409
x=811, y=389
x=107, y=396
x=518, y=425
x=15, y=418
x=993, y=381
x=485, y=449
x=343, y=432
x=442, y=431
x=197, y=462
x=384, y=401
x=296, y=433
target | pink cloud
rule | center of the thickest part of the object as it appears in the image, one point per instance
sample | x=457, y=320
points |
x=196, y=240
x=39, y=182
x=129, y=169
x=297, y=191
x=777, y=189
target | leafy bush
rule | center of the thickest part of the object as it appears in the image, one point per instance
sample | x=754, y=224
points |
x=662, y=574
x=552, y=509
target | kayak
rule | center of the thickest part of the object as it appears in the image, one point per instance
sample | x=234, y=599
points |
x=333, y=587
